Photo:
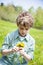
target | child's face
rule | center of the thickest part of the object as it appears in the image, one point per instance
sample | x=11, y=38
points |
x=23, y=30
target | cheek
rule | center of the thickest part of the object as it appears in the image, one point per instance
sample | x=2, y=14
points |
x=20, y=30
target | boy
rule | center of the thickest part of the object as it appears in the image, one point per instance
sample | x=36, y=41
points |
x=13, y=53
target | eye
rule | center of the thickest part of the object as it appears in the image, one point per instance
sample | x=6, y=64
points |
x=26, y=28
x=22, y=28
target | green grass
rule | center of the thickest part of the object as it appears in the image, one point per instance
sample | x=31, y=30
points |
x=38, y=54
x=6, y=27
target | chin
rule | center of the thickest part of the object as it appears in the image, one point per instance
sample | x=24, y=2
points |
x=23, y=35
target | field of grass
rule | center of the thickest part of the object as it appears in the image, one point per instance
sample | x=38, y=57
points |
x=6, y=27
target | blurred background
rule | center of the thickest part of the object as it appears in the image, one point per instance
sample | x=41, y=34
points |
x=10, y=9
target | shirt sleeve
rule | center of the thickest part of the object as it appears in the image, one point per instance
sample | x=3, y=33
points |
x=6, y=43
x=31, y=49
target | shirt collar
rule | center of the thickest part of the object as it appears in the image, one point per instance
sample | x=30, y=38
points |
x=16, y=34
x=27, y=37
x=20, y=37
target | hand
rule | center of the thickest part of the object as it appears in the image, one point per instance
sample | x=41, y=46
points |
x=15, y=49
x=20, y=48
x=21, y=52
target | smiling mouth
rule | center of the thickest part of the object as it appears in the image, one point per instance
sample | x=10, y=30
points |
x=23, y=34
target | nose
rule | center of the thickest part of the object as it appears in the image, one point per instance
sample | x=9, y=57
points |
x=24, y=31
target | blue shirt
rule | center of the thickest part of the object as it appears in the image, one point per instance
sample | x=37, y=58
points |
x=12, y=39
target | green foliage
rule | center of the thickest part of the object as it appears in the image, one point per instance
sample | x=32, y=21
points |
x=2, y=4
x=32, y=10
x=9, y=12
x=6, y=27
x=39, y=18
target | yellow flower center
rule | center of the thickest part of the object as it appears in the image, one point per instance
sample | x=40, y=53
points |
x=21, y=44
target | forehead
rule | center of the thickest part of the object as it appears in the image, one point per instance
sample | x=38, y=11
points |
x=24, y=24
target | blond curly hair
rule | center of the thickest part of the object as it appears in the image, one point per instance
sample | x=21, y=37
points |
x=25, y=19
